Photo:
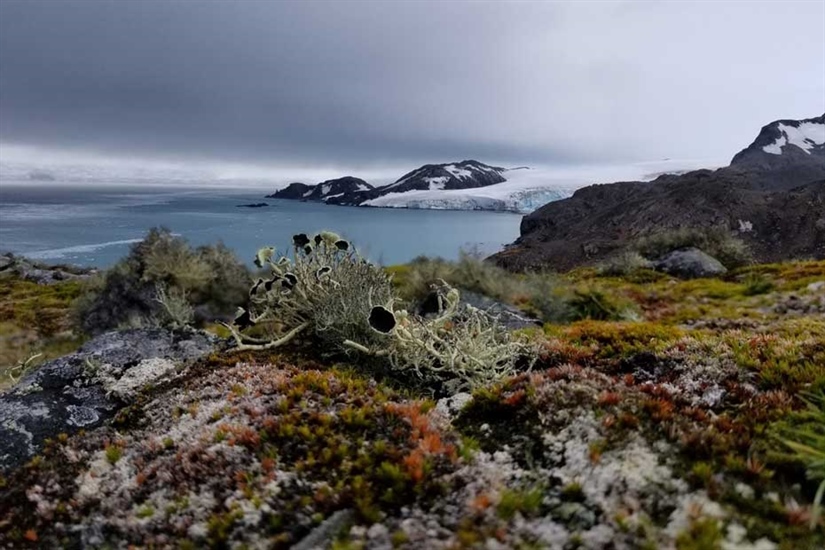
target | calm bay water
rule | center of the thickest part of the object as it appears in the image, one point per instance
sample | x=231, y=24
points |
x=96, y=225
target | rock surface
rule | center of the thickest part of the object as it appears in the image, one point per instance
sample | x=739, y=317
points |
x=84, y=389
x=689, y=263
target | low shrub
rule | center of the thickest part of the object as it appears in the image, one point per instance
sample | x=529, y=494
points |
x=623, y=264
x=595, y=304
x=756, y=284
x=164, y=281
x=718, y=242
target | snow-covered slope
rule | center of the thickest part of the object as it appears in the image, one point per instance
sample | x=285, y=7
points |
x=526, y=189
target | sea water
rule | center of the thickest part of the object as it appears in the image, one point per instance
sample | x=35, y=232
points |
x=95, y=226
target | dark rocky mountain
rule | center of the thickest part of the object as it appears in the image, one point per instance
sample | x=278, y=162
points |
x=466, y=174
x=322, y=191
x=772, y=195
x=293, y=191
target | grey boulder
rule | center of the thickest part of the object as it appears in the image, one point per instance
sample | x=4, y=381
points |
x=689, y=263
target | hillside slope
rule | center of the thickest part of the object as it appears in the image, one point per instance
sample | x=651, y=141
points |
x=772, y=195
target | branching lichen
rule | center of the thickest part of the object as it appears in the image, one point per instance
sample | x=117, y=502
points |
x=326, y=289
x=461, y=347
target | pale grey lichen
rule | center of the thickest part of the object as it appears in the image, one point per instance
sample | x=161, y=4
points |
x=460, y=348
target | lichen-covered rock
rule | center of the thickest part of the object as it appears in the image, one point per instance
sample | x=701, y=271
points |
x=690, y=263
x=85, y=388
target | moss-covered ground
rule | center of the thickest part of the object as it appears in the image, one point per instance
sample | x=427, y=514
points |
x=665, y=430
x=35, y=319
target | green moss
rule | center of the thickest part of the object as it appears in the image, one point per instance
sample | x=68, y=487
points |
x=703, y=534
x=113, y=453
x=399, y=538
x=526, y=502
x=145, y=511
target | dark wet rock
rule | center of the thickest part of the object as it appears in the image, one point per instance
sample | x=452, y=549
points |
x=689, y=263
x=84, y=389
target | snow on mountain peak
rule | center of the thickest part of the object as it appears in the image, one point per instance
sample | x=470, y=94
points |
x=806, y=136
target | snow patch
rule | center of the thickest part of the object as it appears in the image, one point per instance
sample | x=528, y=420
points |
x=806, y=136
x=458, y=172
x=437, y=184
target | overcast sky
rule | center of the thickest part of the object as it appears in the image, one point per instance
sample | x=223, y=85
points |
x=365, y=84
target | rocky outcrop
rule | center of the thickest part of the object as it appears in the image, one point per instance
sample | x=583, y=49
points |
x=12, y=265
x=84, y=389
x=772, y=196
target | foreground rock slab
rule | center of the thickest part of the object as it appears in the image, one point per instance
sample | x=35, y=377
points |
x=84, y=389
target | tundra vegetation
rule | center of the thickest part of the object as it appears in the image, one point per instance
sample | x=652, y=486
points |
x=641, y=411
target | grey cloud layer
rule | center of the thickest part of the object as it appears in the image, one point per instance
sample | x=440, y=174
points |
x=344, y=82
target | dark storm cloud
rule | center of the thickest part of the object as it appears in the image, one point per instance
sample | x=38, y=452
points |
x=383, y=82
